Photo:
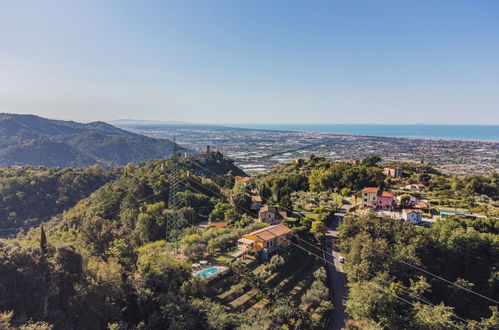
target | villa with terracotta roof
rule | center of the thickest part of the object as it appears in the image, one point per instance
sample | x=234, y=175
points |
x=413, y=216
x=412, y=199
x=421, y=205
x=266, y=240
x=270, y=215
x=242, y=180
x=377, y=198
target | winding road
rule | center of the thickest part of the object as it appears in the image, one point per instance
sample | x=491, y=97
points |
x=336, y=277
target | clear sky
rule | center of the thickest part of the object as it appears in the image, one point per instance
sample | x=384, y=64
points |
x=248, y=61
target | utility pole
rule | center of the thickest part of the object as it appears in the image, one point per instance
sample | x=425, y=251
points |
x=173, y=220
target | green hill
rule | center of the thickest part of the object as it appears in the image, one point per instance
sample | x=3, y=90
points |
x=29, y=195
x=33, y=140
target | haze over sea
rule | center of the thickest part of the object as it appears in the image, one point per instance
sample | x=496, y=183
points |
x=449, y=132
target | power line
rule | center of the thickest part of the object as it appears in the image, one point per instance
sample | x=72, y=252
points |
x=173, y=220
x=390, y=293
x=386, y=282
x=321, y=258
x=408, y=264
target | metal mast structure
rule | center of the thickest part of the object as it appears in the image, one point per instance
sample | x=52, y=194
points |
x=174, y=220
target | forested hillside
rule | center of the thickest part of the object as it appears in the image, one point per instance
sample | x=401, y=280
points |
x=383, y=258
x=103, y=262
x=106, y=265
x=30, y=195
x=32, y=140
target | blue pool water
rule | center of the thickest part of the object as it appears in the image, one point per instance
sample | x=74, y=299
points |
x=207, y=272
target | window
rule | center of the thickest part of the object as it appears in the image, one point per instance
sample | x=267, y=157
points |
x=365, y=199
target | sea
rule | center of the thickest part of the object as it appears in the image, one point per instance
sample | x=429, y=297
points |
x=447, y=132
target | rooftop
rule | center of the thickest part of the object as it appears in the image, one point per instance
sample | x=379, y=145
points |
x=412, y=211
x=256, y=198
x=218, y=224
x=270, y=232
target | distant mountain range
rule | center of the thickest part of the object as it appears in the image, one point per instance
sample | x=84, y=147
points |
x=33, y=140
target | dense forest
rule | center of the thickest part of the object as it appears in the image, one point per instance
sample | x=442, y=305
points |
x=32, y=140
x=383, y=258
x=104, y=264
x=30, y=195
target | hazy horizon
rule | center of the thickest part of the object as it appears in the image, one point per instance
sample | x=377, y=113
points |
x=241, y=62
x=112, y=121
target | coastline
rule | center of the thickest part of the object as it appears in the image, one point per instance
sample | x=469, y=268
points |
x=288, y=128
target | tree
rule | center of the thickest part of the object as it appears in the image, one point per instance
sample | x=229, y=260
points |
x=241, y=201
x=96, y=234
x=376, y=301
x=437, y=317
x=218, y=213
x=275, y=263
x=159, y=272
x=151, y=222
x=320, y=179
x=371, y=161
x=405, y=202
x=43, y=240
x=319, y=230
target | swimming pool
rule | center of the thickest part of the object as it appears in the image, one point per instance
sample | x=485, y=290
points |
x=205, y=273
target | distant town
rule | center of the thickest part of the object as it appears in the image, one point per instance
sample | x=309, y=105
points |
x=259, y=150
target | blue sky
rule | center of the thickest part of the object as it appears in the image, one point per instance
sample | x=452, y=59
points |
x=371, y=61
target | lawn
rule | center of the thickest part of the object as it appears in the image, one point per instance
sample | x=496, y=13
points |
x=226, y=257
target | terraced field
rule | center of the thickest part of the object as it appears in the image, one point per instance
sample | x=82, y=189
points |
x=292, y=281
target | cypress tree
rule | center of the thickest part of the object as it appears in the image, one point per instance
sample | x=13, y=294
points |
x=43, y=240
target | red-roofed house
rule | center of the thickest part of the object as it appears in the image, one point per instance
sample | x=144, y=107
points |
x=218, y=224
x=242, y=180
x=266, y=240
x=369, y=197
x=412, y=199
x=377, y=198
x=420, y=205
x=385, y=200
x=413, y=216
x=270, y=215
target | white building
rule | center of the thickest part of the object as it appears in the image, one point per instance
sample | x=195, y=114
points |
x=394, y=172
x=413, y=216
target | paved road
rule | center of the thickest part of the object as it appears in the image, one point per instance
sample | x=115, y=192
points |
x=337, y=280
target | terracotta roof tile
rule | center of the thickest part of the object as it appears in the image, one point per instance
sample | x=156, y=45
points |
x=270, y=232
x=218, y=224
x=256, y=198
x=412, y=211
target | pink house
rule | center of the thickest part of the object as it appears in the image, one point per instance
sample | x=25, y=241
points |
x=377, y=198
x=385, y=200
